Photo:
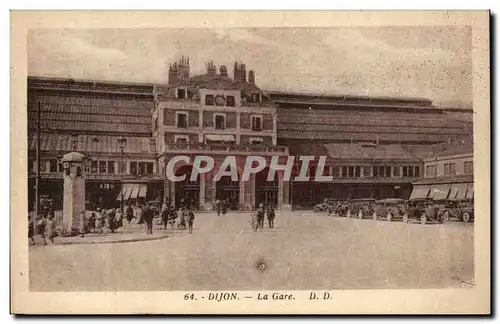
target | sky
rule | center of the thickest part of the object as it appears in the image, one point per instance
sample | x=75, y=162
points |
x=424, y=62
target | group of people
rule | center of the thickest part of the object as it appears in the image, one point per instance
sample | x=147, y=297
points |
x=99, y=220
x=259, y=216
x=184, y=217
x=45, y=223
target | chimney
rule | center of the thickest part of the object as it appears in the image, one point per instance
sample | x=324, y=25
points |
x=223, y=71
x=251, y=77
x=211, y=69
x=236, y=73
x=183, y=69
x=243, y=72
x=172, y=73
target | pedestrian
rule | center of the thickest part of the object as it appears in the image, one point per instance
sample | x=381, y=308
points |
x=147, y=217
x=190, y=219
x=30, y=232
x=224, y=207
x=271, y=215
x=99, y=221
x=172, y=216
x=218, y=206
x=182, y=219
x=129, y=213
x=164, y=216
x=111, y=220
x=260, y=216
x=51, y=228
x=83, y=223
x=40, y=226
x=91, y=223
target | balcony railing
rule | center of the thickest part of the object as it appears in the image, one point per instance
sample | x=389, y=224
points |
x=222, y=148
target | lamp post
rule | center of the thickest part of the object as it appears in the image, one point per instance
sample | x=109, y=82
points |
x=122, y=142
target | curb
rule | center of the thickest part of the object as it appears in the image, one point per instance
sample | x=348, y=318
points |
x=115, y=241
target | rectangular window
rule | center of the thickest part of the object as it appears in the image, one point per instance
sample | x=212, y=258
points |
x=149, y=167
x=344, y=172
x=357, y=172
x=335, y=172
x=410, y=171
x=397, y=171
x=93, y=167
x=416, y=171
x=468, y=167
x=220, y=122
x=405, y=171
x=446, y=169
x=182, y=120
x=209, y=100
x=256, y=123
x=123, y=169
x=133, y=167
x=181, y=139
x=141, y=168
x=53, y=166
x=428, y=171
x=230, y=101
x=102, y=166
x=452, y=168
x=111, y=166
x=387, y=171
x=181, y=93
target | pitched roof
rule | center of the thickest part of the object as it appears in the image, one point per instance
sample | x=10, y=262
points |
x=89, y=143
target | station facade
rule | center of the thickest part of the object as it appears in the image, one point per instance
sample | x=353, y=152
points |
x=131, y=131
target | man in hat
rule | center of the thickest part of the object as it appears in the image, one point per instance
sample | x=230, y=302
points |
x=147, y=216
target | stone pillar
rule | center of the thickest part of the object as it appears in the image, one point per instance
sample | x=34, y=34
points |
x=243, y=185
x=74, y=189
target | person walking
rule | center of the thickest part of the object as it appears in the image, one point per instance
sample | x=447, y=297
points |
x=164, y=216
x=147, y=217
x=51, y=228
x=270, y=216
x=111, y=220
x=190, y=219
x=99, y=221
x=30, y=232
x=129, y=213
x=83, y=224
x=218, y=207
x=40, y=226
x=260, y=216
x=182, y=218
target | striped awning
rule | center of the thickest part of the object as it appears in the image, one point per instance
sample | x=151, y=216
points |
x=143, y=189
x=439, y=192
x=419, y=192
x=458, y=191
x=129, y=191
x=470, y=191
x=220, y=138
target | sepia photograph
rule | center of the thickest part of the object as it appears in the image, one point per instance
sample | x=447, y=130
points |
x=245, y=164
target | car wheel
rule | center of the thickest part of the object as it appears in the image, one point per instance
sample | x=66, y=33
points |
x=405, y=218
x=348, y=213
x=423, y=219
x=466, y=217
x=389, y=216
x=446, y=216
x=374, y=216
x=360, y=214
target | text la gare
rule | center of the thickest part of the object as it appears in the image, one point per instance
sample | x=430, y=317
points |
x=275, y=296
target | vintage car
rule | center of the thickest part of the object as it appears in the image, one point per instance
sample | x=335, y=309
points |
x=424, y=210
x=390, y=209
x=361, y=208
x=461, y=209
x=327, y=205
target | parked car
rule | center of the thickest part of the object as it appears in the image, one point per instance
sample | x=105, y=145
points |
x=424, y=210
x=327, y=205
x=461, y=209
x=391, y=209
x=361, y=208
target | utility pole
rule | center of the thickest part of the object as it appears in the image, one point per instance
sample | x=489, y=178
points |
x=37, y=176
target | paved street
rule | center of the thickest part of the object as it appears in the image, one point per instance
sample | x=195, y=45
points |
x=304, y=251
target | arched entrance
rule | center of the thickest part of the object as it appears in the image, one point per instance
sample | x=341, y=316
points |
x=266, y=192
x=228, y=190
x=187, y=190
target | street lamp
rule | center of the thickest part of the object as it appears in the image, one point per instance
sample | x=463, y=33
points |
x=122, y=142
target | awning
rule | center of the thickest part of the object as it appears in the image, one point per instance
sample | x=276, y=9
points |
x=419, y=192
x=458, y=191
x=129, y=191
x=143, y=189
x=220, y=138
x=470, y=191
x=439, y=192
x=135, y=191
